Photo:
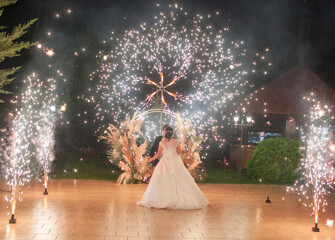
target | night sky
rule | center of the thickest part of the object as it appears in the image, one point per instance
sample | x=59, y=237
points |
x=261, y=23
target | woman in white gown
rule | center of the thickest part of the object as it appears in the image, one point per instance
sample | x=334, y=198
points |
x=171, y=185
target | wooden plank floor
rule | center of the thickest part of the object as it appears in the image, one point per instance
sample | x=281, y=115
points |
x=102, y=210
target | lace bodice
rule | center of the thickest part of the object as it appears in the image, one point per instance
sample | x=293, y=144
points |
x=169, y=147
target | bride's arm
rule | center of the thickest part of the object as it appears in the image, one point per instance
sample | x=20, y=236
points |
x=159, y=152
x=178, y=149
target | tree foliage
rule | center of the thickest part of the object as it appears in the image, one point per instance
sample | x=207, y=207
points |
x=275, y=160
x=10, y=46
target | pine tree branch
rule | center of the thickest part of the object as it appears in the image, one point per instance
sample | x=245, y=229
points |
x=13, y=49
x=10, y=48
x=4, y=3
x=4, y=79
x=21, y=29
x=5, y=73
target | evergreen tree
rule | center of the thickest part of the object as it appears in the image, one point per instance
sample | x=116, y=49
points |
x=10, y=47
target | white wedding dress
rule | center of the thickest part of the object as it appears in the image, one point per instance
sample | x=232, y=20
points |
x=171, y=185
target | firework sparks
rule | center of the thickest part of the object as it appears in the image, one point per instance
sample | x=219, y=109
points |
x=24, y=132
x=44, y=146
x=330, y=223
x=17, y=158
x=317, y=166
x=45, y=133
x=161, y=89
x=44, y=140
x=49, y=52
x=203, y=70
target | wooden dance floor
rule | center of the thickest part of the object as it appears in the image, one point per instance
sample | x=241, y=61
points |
x=102, y=210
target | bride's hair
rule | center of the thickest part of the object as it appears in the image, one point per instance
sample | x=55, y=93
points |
x=168, y=133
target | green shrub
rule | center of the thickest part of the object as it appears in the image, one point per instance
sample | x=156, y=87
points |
x=275, y=160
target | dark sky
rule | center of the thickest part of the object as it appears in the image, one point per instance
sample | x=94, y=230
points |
x=262, y=23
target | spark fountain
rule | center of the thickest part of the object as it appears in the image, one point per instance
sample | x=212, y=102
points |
x=44, y=149
x=17, y=161
x=45, y=131
x=317, y=166
x=32, y=123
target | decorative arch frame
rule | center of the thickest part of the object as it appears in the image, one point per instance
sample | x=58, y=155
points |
x=157, y=110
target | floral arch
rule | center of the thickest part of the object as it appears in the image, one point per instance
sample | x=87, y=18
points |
x=124, y=151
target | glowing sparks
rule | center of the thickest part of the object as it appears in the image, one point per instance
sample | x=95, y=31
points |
x=30, y=135
x=49, y=52
x=203, y=70
x=317, y=166
x=330, y=223
x=63, y=107
x=161, y=89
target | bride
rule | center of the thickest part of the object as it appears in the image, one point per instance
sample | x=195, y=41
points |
x=171, y=185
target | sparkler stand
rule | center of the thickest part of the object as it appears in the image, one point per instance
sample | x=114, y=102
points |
x=316, y=229
x=12, y=220
x=268, y=200
x=45, y=180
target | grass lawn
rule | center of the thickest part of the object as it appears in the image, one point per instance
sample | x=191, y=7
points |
x=85, y=168
x=92, y=168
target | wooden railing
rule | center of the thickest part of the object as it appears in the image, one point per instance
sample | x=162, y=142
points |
x=235, y=154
